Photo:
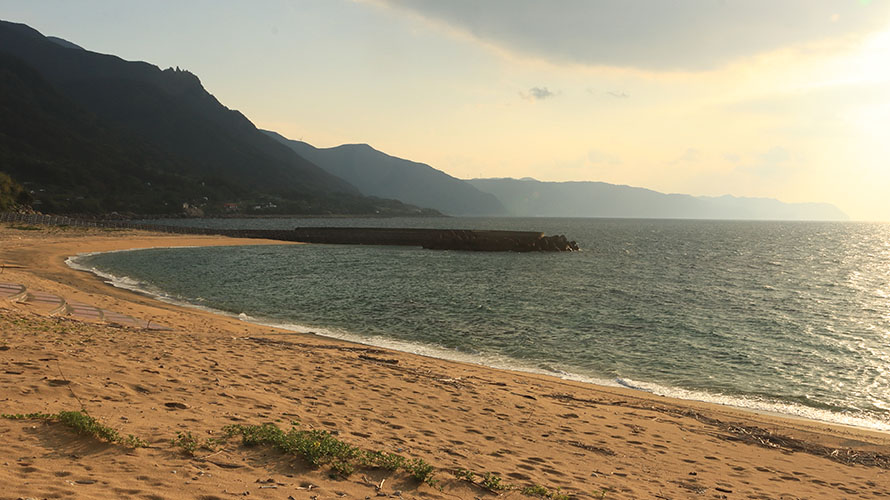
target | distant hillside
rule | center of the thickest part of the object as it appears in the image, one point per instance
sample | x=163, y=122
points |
x=88, y=122
x=532, y=198
x=77, y=164
x=64, y=43
x=378, y=174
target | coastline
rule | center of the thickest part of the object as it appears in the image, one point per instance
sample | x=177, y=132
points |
x=585, y=438
x=742, y=403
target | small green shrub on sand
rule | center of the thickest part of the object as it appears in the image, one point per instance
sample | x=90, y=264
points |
x=186, y=442
x=465, y=475
x=421, y=471
x=320, y=448
x=494, y=482
x=83, y=424
x=536, y=490
x=383, y=460
x=316, y=447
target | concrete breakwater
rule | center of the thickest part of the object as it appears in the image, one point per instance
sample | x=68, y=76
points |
x=434, y=239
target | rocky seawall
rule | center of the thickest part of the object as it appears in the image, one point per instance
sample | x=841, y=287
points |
x=434, y=239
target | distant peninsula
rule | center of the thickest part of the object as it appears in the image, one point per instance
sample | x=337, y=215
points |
x=533, y=198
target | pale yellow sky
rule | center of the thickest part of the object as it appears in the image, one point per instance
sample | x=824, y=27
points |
x=788, y=100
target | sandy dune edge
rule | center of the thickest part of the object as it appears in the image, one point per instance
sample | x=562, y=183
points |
x=213, y=371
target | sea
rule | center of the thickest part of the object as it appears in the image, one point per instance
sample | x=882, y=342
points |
x=783, y=317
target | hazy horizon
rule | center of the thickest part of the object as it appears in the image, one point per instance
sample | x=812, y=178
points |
x=750, y=99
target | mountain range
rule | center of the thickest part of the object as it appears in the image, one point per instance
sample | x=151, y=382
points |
x=95, y=133
x=92, y=133
x=533, y=198
x=378, y=174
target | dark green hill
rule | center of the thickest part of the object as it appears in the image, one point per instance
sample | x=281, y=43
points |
x=376, y=173
x=76, y=164
x=99, y=133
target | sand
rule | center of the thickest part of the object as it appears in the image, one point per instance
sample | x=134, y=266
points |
x=209, y=371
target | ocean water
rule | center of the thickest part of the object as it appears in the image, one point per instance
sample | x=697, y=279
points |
x=784, y=317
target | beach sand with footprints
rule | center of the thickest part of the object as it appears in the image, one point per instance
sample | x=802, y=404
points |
x=192, y=374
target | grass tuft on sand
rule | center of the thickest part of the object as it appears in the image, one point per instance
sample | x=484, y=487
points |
x=320, y=448
x=82, y=423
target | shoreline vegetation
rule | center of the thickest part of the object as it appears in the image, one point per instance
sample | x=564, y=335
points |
x=214, y=407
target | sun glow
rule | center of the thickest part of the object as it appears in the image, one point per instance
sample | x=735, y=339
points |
x=869, y=64
x=874, y=59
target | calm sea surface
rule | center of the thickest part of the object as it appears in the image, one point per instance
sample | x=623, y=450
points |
x=785, y=317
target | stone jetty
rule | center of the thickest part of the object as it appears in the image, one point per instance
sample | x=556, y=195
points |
x=434, y=239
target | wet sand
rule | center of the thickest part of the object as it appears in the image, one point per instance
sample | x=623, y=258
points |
x=208, y=371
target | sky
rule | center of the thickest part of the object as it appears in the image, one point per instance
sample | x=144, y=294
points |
x=786, y=99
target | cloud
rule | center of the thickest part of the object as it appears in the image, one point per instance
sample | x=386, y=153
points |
x=649, y=34
x=766, y=172
x=770, y=165
x=691, y=155
x=732, y=157
x=538, y=93
x=601, y=157
x=775, y=155
x=617, y=94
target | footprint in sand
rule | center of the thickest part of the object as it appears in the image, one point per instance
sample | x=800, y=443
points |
x=553, y=472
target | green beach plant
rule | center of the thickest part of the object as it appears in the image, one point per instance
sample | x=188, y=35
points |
x=536, y=490
x=319, y=448
x=421, y=471
x=465, y=475
x=84, y=424
x=493, y=482
x=383, y=460
x=315, y=447
x=186, y=442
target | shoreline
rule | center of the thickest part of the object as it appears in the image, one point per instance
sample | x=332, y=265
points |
x=654, y=389
x=651, y=433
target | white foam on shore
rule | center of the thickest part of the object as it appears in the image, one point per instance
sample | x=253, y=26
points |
x=136, y=286
x=758, y=405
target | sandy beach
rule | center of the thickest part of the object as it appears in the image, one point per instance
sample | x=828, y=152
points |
x=207, y=371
